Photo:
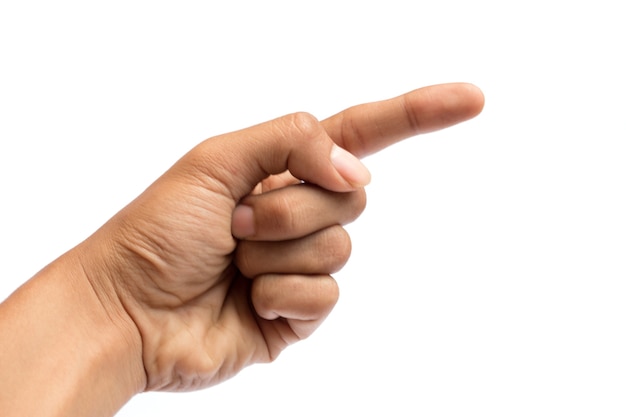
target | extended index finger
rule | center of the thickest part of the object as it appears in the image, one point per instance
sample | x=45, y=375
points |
x=367, y=128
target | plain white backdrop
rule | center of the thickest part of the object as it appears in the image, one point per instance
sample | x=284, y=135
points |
x=488, y=275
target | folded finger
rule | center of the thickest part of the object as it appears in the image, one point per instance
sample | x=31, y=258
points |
x=294, y=211
x=323, y=252
x=303, y=300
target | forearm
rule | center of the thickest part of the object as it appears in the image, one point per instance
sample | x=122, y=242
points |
x=61, y=352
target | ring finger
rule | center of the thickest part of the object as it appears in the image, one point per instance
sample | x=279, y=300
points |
x=322, y=252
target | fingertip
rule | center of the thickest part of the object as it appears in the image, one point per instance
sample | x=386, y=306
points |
x=243, y=222
x=476, y=98
x=444, y=105
x=350, y=167
x=467, y=99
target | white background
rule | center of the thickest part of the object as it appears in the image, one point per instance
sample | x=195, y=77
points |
x=488, y=272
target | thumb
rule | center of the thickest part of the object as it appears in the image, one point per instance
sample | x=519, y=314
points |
x=296, y=142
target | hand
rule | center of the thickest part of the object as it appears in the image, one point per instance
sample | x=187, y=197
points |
x=204, y=306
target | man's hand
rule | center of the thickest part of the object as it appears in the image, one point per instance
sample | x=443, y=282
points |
x=222, y=262
x=168, y=256
x=206, y=307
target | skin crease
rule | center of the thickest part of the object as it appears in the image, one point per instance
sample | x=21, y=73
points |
x=222, y=262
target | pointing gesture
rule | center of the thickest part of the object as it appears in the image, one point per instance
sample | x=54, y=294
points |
x=222, y=262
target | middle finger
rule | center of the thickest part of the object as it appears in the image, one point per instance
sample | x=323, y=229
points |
x=294, y=211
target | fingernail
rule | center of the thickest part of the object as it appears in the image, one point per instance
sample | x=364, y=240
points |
x=349, y=166
x=243, y=222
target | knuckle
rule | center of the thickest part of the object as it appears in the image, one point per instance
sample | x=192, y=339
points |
x=337, y=247
x=330, y=293
x=359, y=201
x=279, y=215
x=305, y=124
x=351, y=205
x=351, y=132
x=362, y=194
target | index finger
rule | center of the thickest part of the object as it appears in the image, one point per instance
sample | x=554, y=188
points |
x=367, y=128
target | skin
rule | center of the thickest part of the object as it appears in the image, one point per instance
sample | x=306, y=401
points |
x=222, y=262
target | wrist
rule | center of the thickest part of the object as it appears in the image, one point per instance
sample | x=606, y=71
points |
x=122, y=341
x=69, y=349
